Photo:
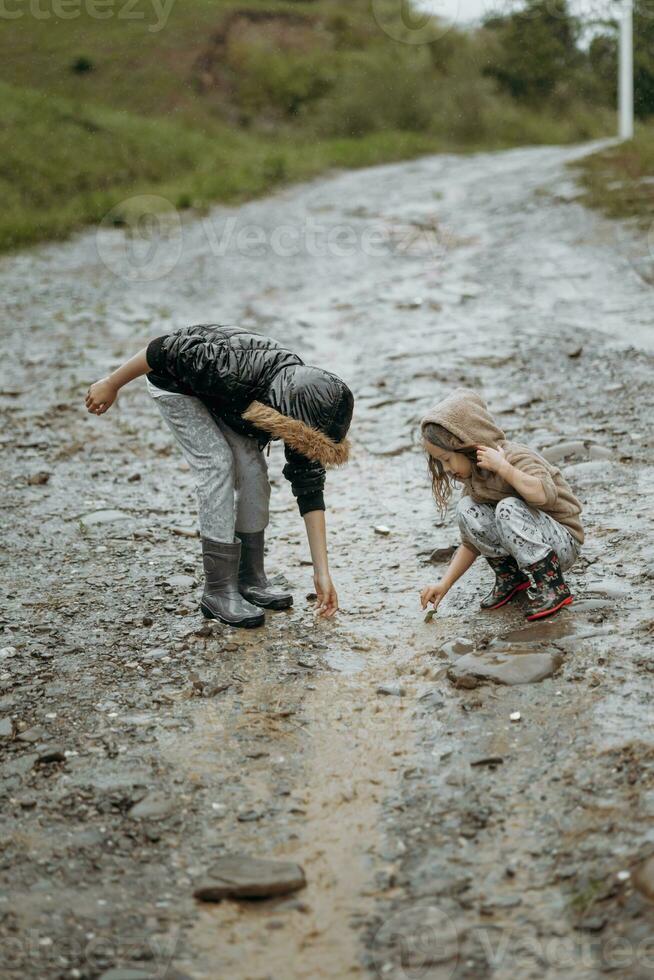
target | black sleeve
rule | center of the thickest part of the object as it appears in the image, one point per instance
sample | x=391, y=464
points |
x=307, y=479
x=198, y=363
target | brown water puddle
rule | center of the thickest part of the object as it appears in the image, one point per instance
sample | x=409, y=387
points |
x=342, y=759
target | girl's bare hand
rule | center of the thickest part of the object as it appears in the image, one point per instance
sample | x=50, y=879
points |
x=433, y=594
x=327, y=603
x=491, y=459
x=100, y=397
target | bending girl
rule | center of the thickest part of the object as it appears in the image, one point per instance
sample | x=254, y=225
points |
x=225, y=393
x=517, y=510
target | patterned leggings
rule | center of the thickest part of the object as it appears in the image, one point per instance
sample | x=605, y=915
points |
x=511, y=527
x=230, y=471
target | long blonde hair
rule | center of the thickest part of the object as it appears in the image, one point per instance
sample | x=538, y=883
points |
x=441, y=483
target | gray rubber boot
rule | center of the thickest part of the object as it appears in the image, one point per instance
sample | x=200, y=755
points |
x=252, y=581
x=222, y=599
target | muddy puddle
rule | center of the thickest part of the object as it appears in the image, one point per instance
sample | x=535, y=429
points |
x=513, y=813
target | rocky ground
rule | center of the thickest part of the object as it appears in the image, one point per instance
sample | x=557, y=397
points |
x=441, y=834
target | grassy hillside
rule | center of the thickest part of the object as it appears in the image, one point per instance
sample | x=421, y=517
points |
x=64, y=164
x=224, y=100
x=620, y=180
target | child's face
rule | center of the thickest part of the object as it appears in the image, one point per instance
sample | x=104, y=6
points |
x=456, y=464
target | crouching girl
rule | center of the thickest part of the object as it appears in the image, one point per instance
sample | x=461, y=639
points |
x=224, y=393
x=517, y=510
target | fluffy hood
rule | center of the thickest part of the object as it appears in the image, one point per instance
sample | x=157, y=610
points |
x=310, y=410
x=299, y=436
x=465, y=415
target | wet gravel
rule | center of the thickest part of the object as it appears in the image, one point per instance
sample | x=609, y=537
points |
x=440, y=835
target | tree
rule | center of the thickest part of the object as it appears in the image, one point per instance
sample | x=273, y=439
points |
x=538, y=49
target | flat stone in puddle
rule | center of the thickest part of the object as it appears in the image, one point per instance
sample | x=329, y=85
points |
x=242, y=876
x=504, y=667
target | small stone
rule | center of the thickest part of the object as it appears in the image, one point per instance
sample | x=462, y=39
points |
x=7, y=652
x=38, y=479
x=601, y=452
x=181, y=582
x=563, y=450
x=48, y=753
x=32, y=734
x=242, y=876
x=185, y=532
x=410, y=304
x=147, y=621
x=592, y=923
x=382, y=529
x=488, y=760
x=502, y=902
x=392, y=690
x=456, y=648
x=644, y=879
x=154, y=806
x=156, y=653
x=99, y=517
x=439, y=555
x=6, y=728
x=623, y=875
x=515, y=716
x=249, y=816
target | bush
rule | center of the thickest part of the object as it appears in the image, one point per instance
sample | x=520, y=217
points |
x=377, y=91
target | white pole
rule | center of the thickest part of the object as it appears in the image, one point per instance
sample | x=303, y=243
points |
x=626, y=79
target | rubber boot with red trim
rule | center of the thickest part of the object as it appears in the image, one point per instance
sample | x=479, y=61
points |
x=509, y=580
x=548, y=591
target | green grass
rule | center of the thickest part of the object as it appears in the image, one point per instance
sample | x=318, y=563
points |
x=620, y=180
x=196, y=120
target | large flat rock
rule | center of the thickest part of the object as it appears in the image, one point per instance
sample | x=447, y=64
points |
x=504, y=667
x=242, y=876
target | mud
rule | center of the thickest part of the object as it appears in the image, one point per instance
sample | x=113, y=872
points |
x=438, y=837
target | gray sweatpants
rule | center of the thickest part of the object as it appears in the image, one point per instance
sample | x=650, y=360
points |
x=230, y=471
x=512, y=527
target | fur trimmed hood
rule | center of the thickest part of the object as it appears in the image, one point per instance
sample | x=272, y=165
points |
x=298, y=436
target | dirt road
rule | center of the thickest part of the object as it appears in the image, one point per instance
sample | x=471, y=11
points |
x=439, y=838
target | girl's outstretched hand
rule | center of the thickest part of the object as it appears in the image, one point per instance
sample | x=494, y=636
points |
x=491, y=459
x=433, y=594
x=327, y=603
x=100, y=397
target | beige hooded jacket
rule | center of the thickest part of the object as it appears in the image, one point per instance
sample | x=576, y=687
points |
x=465, y=415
